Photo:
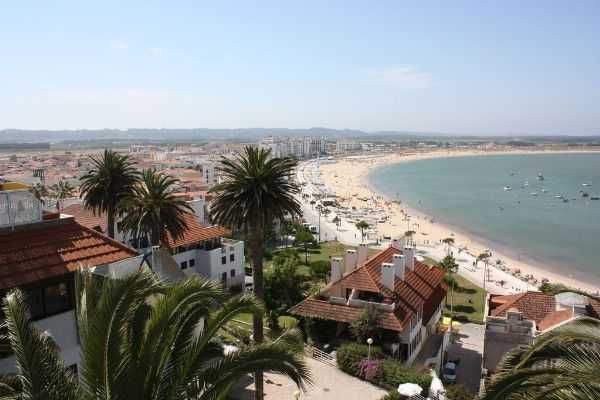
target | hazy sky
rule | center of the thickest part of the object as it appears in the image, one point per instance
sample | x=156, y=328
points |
x=479, y=67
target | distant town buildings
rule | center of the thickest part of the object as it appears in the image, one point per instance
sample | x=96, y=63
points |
x=300, y=148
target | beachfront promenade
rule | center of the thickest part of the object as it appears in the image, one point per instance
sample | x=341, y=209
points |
x=497, y=282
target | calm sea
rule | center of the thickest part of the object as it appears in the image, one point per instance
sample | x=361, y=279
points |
x=528, y=221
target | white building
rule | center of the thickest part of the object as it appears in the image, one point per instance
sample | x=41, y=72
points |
x=39, y=253
x=300, y=148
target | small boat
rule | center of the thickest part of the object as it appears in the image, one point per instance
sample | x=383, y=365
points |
x=540, y=177
x=507, y=188
x=558, y=196
x=544, y=190
x=586, y=184
x=584, y=194
x=565, y=200
x=594, y=198
x=526, y=184
x=533, y=193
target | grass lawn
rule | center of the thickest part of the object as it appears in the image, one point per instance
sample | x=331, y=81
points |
x=244, y=321
x=468, y=298
x=468, y=301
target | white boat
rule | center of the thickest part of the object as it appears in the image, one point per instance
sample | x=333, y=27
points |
x=559, y=196
x=507, y=188
x=540, y=177
x=586, y=184
x=533, y=193
x=544, y=190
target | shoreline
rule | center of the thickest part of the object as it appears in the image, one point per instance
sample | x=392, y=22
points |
x=355, y=171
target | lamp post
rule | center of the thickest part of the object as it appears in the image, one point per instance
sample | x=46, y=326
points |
x=369, y=342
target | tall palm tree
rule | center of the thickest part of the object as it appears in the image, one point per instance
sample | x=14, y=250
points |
x=40, y=192
x=152, y=209
x=60, y=191
x=362, y=225
x=255, y=190
x=103, y=188
x=449, y=241
x=143, y=339
x=560, y=365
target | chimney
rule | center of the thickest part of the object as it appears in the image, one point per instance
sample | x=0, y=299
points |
x=388, y=275
x=399, y=244
x=336, y=275
x=336, y=269
x=350, y=262
x=409, y=257
x=363, y=252
x=400, y=266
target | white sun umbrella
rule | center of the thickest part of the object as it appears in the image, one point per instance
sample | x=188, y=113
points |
x=409, y=389
x=437, y=387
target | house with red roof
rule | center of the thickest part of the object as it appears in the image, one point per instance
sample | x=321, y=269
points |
x=408, y=294
x=205, y=250
x=39, y=254
x=518, y=319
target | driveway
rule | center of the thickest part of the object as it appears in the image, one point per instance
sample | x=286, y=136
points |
x=329, y=383
x=468, y=347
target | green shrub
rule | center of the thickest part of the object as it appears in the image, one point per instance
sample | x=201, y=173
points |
x=350, y=355
x=319, y=269
x=394, y=374
x=392, y=395
x=458, y=392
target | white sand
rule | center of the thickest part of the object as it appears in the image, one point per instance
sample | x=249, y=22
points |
x=347, y=178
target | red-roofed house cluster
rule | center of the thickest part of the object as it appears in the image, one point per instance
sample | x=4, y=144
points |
x=408, y=293
x=517, y=319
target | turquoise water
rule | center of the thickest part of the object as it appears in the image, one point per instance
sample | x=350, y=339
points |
x=468, y=193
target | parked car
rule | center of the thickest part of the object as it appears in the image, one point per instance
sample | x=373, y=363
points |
x=449, y=373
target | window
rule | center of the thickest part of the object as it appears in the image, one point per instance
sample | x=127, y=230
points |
x=224, y=278
x=224, y=260
x=184, y=265
x=232, y=273
x=192, y=263
x=231, y=257
x=56, y=298
x=49, y=300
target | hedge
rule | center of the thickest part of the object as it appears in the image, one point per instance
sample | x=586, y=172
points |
x=392, y=373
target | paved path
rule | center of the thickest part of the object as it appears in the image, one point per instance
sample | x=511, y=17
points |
x=468, y=347
x=329, y=383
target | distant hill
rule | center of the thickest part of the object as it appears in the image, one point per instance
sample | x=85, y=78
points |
x=54, y=136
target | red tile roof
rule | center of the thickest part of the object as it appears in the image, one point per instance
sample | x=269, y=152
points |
x=535, y=306
x=555, y=318
x=322, y=309
x=196, y=233
x=49, y=249
x=86, y=217
x=422, y=289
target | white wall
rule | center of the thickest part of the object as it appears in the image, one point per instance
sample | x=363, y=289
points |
x=63, y=329
x=208, y=263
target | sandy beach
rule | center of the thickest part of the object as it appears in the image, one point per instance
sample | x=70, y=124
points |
x=347, y=178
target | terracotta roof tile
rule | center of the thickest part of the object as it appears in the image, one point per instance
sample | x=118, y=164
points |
x=534, y=305
x=87, y=217
x=321, y=309
x=53, y=249
x=422, y=289
x=554, y=318
x=196, y=233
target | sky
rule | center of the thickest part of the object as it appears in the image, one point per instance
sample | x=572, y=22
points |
x=478, y=67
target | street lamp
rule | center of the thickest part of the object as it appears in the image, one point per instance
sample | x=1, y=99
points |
x=369, y=342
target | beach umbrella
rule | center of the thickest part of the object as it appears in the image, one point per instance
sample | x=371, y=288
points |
x=409, y=389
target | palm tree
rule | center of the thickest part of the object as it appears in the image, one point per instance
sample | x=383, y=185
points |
x=337, y=221
x=255, y=190
x=449, y=241
x=40, y=192
x=104, y=187
x=60, y=191
x=362, y=225
x=153, y=210
x=560, y=365
x=409, y=235
x=144, y=339
x=485, y=256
